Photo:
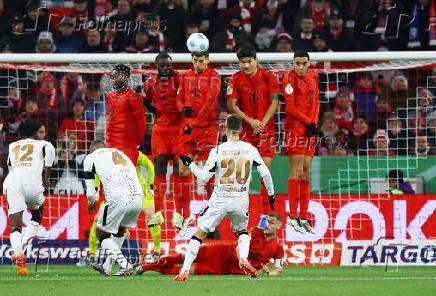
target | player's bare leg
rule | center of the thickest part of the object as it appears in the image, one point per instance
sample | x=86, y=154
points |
x=296, y=163
x=190, y=254
x=243, y=249
x=15, y=221
x=305, y=195
x=32, y=228
x=184, y=189
x=263, y=192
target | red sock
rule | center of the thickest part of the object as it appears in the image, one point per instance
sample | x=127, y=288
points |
x=304, y=198
x=177, y=194
x=160, y=187
x=183, y=193
x=264, y=199
x=293, y=197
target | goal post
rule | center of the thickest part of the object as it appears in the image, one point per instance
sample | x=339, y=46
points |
x=368, y=100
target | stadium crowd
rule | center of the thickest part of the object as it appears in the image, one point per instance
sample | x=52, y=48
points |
x=372, y=113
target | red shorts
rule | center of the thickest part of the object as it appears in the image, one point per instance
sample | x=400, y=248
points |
x=131, y=152
x=297, y=143
x=163, y=139
x=265, y=142
x=217, y=259
x=199, y=142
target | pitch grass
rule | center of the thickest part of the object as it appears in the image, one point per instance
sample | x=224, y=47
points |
x=338, y=281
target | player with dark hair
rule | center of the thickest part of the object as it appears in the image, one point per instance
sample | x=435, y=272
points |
x=197, y=100
x=125, y=126
x=300, y=91
x=222, y=258
x=24, y=187
x=231, y=164
x=253, y=93
x=159, y=94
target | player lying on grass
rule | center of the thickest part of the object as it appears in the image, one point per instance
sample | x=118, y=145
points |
x=124, y=197
x=223, y=258
x=24, y=187
x=231, y=164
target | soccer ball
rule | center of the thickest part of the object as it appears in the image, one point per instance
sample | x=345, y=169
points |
x=197, y=42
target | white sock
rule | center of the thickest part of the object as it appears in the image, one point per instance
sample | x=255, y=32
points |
x=31, y=231
x=243, y=245
x=118, y=240
x=115, y=252
x=190, y=254
x=15, y=238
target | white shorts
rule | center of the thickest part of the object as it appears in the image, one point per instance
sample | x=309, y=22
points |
x=23, y=196
x=219, y=208
x=119, y=212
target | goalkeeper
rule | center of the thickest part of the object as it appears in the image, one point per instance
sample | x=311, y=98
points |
x=155, y=220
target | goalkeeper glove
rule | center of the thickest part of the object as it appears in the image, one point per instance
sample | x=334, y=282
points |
x=272, y=200
x=311, y=129
x=187, y=111
x=187, y=130
x=186, y=160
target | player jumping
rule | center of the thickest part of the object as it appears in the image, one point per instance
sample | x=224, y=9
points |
x=231, y=163
x=124, y=198
x=253, y=93
x=197, y=100
x=220, y=259
x=300, y=91
x=159, y=94
x=24, y=187
x=125, y=125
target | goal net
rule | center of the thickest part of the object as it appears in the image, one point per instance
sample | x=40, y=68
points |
x=377, y=118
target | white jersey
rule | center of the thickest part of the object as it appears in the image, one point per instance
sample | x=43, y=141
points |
x=232, y=163
x=117, y=174
x=26, y=160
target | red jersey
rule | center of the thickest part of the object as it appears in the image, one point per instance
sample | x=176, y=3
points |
x=200, y=92
x=261, y=251
x=253, y=94
x=125, y=126
x=301, y=96
x=163, y=93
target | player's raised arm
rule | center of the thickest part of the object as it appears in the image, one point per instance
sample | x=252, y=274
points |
x=263, y=171
x=208, y=169
x=265, y=174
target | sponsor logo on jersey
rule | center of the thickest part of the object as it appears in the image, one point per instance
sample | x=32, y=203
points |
x=289, y=90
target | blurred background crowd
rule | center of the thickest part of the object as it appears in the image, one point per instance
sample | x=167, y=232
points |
x=378, y=113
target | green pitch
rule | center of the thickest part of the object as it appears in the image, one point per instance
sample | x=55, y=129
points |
x=71, y=280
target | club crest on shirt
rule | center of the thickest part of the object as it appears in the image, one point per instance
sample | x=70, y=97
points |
x=229, y=89
x=289, y=90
